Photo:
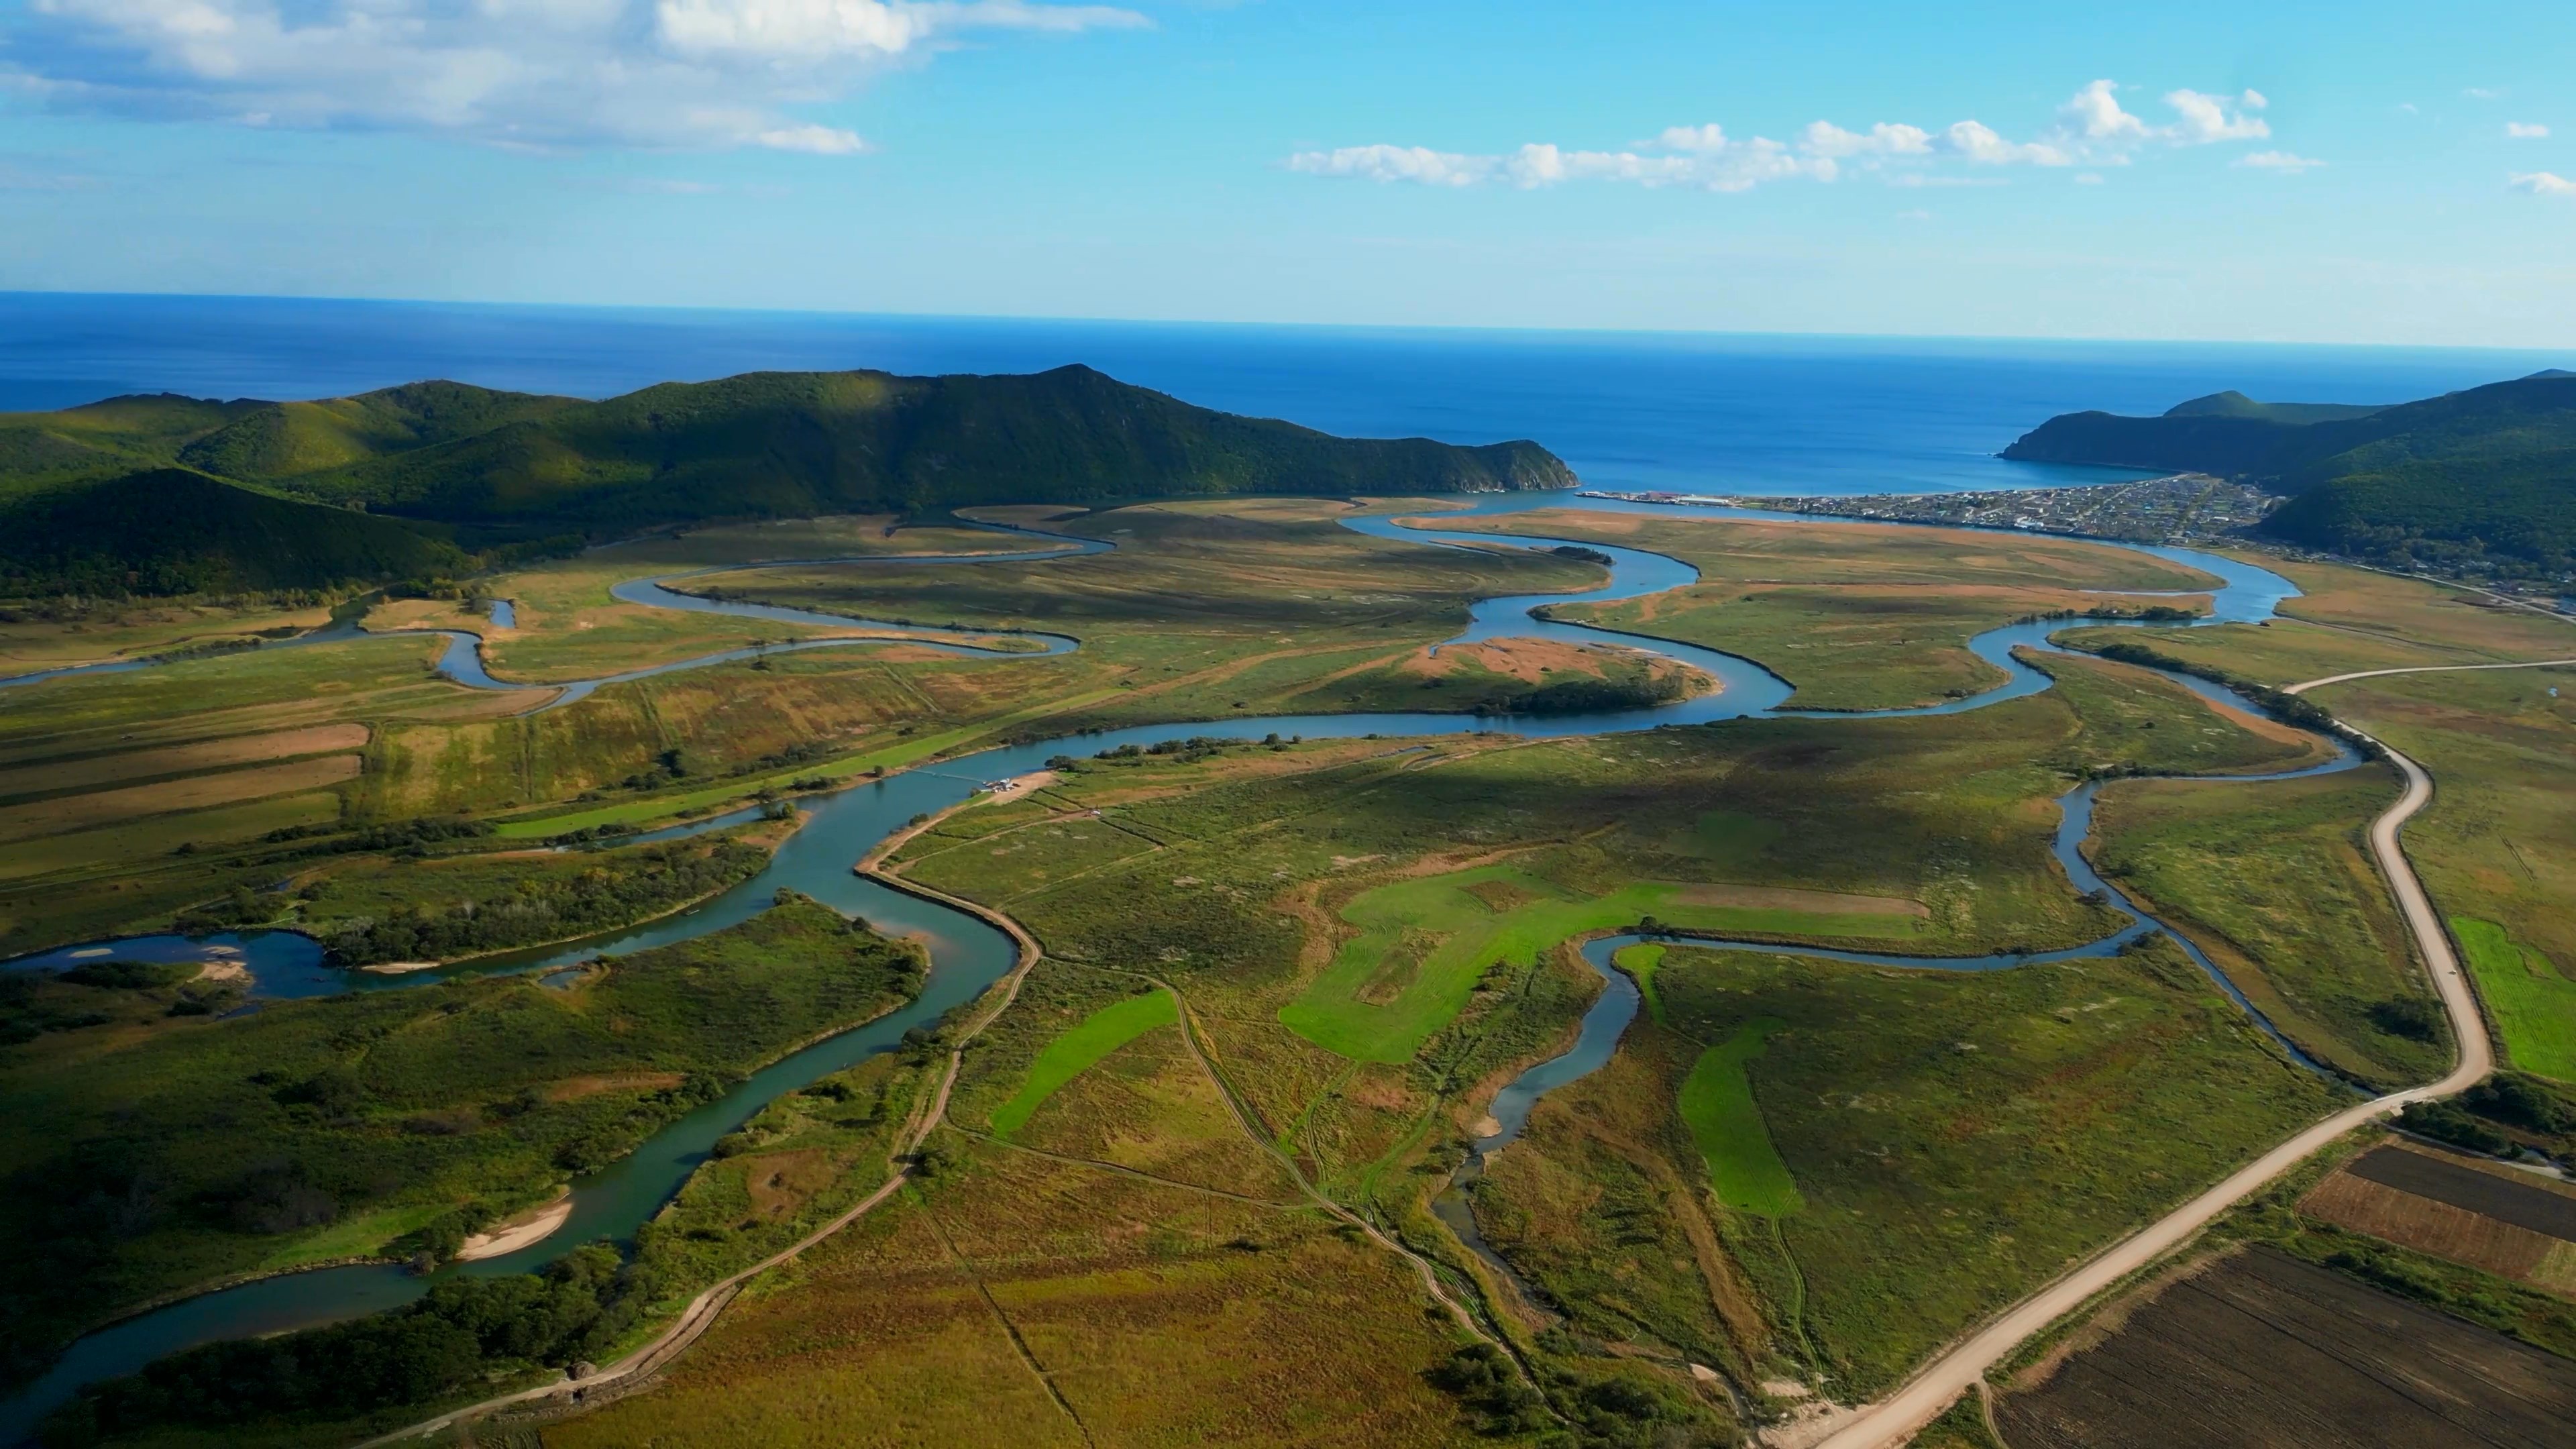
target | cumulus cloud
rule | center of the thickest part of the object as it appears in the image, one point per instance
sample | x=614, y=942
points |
x=2284, y=161
x=2483, y=93
x=2095, y=112
x=1824, y=138
x=2526, y=131
x=1980, y=143
x=2544, y=183
x=1700, y=157
x=2093, y=130
x=2207, y=118
x=676, y=73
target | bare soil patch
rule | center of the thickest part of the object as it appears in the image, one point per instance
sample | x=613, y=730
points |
x=2428, y=1226
x=2264, y=1350
x=2520, y=1200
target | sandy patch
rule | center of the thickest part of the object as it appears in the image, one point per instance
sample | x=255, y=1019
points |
x=517, y=1231
x=224, y=971
x=398, y=968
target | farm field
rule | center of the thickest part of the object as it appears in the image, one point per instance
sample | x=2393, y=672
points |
x=2262, y=1349
x=1860, y=616
x=2516, y=1225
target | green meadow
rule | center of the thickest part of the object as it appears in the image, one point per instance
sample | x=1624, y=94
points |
x=1068, y=1056
x=1717, y=1101
x=2533, y=1003
x=1423, y=944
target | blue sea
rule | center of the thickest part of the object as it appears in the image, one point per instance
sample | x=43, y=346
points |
x=1688, y=412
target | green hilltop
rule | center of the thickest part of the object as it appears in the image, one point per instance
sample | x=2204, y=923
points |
x=389, y=484
x=2489, y=471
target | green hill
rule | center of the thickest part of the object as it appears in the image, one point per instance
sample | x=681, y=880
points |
x=2232, y=404
x=2487, y=471
x=497, y=468
x=172, y=531
x=102, y=438
x=292, y=439
x=786, y=443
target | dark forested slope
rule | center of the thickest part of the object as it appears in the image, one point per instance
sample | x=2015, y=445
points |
x=2489, y=470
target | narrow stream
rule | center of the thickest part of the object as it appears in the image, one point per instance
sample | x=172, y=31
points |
x=967, y=956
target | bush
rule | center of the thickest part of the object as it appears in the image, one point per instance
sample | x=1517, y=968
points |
x=2444, y=1122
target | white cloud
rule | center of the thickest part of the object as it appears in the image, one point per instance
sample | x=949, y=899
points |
x=1979, y=143
x=812, y=140
x=2093, y=131
x=2207, y=118
x=2088, y=178
x=2283, y=161
x=1397, y=163
x=1824, y=138
x=2482, y=93
x=1701, y=157
x=1711, y=137
x=2097, y=115
x=2544, y=183
x=660, y=73
x=2526, y=131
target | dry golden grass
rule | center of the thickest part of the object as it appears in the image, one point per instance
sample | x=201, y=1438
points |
x=2412, y=611
x=108, y=807
x=1160, y=1316
x=48, y=776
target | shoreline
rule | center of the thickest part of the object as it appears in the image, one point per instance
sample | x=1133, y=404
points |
x=522, y=1229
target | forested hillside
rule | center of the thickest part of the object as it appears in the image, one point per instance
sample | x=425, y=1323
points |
x=2487, y=471
x=419, y=477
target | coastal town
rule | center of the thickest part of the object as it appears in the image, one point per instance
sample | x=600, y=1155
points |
x=2178, y=508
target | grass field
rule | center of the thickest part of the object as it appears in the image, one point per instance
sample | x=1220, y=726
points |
x=2275, y=882
x=1717, y=1104
x=192, y=1147
x=1953, y=1139
x=1857, y=616
x=1068, y=1056
x=1423, y=944
x=2533, y=1004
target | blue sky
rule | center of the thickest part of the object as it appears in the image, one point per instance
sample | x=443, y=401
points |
x=2356, y=172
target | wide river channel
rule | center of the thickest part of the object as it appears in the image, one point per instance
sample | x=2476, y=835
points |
x=967, y=956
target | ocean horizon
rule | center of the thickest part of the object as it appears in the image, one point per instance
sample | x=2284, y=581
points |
x=1780, y=414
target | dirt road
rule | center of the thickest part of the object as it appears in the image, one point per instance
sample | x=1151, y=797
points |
x=1945, y=1378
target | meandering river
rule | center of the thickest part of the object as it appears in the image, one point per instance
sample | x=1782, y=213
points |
x=967, y=956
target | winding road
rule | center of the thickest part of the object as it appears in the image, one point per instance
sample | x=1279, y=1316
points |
x=1932, y=1390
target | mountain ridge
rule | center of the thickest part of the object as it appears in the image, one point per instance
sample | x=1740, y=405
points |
x=473, y=470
